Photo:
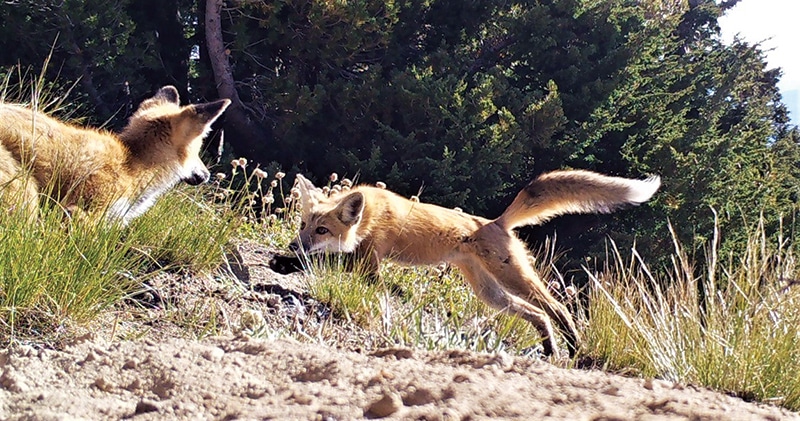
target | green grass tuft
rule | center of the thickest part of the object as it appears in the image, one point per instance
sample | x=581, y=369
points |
x=184, y=229
x=739, y=335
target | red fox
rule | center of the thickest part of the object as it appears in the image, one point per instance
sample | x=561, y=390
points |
x=99, y=172
x=374, y=224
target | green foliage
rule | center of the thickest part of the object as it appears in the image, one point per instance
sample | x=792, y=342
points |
x=464, y=101
x=460, y=105
x=116, y=52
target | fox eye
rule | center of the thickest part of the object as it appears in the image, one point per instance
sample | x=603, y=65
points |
x=322, y=230
x=302, y=225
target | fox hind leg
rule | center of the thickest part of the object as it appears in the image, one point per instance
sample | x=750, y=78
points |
x=491, y=293
x=520, y=280
x=504, y=258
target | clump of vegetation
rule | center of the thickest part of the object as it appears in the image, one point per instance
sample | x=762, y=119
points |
x=729, y=323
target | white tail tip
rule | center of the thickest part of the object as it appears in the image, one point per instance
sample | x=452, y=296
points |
x=642, y=190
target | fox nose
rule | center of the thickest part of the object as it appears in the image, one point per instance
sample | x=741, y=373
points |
x=197, y=178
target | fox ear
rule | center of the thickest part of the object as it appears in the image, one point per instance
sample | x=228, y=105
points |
x=167, y=94
x=309, y=194
x=304, y=184
x=210, y=111
x=350, y=208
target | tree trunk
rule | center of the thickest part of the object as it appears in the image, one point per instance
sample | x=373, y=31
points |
x=249, y=138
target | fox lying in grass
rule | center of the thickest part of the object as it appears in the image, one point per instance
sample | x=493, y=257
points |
x=376, y=224
x=96, y=171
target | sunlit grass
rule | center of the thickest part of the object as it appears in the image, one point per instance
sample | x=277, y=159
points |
x=740, y=336
x=184, y=230
x=53, y=271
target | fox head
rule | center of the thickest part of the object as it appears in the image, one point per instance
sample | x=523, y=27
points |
x=328, y=224
x=163, y=135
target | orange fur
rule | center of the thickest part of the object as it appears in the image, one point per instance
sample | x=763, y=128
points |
x=97, y=171
x=376, y=224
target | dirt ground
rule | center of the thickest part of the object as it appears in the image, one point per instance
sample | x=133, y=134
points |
x=159, y=374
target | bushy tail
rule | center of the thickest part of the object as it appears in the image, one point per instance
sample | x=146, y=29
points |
x=564, y=192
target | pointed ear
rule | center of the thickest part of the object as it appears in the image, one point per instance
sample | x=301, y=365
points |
x=167, y=94
x=350, y=208
x=310, y=195
x=209, y=111
x=304, y=184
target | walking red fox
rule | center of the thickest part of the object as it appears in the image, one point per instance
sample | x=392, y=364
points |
x=376, y=224
x=99, y=172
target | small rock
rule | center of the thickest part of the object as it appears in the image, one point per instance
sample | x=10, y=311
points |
x=136, y=384
x=91, y=356
x=252, y=319
x=385, y=406
x=611, y=391
x=397, y=353
x=461, y=378
x=213, y=354
x=102, y=384
x=144, y=406
x=12, y=382
x=421, y=396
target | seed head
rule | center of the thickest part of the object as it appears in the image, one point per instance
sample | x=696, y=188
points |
x=380, y=185
x=333, y=177
x=346, y=182
x=242, y=162
x=220, y=176
x=415, y=199
x=260, y=174
x=273, y=183
x=279, y=175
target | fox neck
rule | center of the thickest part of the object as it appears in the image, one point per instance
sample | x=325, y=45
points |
x=146, y=186
x=130, y=206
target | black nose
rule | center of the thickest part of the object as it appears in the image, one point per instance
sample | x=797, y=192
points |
x=294, y=247
x=196, y=178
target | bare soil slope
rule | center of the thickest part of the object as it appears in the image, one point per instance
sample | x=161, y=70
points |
x=165, y=376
